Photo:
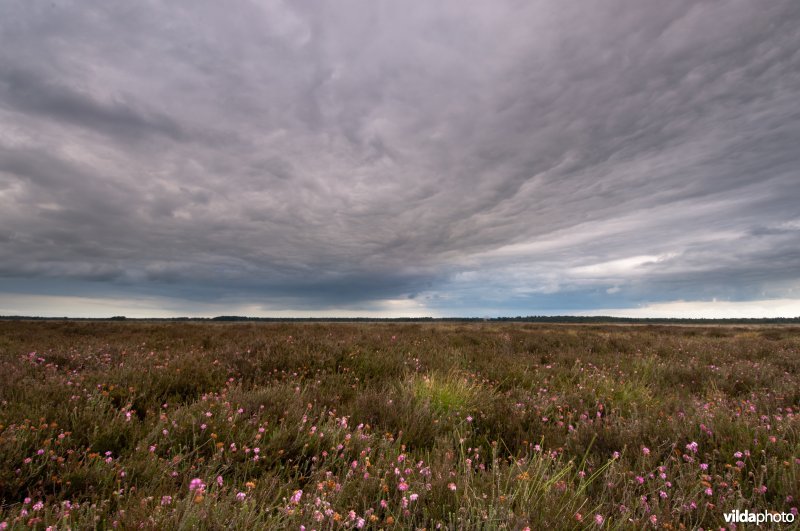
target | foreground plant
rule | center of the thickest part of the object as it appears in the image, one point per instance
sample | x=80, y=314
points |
x=395, y=426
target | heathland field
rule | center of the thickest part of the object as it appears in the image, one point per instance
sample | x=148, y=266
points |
x=395, y=426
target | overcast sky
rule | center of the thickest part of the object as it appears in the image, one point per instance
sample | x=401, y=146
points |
x=400, y=158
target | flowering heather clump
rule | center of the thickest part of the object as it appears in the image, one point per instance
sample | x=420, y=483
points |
x=437, y=426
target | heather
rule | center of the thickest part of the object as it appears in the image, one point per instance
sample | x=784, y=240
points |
x=395, y=425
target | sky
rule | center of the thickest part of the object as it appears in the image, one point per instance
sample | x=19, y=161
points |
x=415, y=158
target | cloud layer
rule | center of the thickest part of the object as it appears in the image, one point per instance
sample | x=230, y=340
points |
x=417, y=158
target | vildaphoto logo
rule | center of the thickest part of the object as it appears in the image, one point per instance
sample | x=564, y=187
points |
x=746, y=517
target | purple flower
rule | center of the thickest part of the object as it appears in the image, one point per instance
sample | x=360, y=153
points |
x=295, y=499
x=197, y=484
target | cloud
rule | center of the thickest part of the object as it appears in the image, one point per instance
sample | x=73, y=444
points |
x=496, y=157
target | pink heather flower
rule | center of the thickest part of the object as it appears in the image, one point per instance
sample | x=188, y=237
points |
x=401, y=458
x=654, y=519
x=3, y=526
x=203, y=427
x=598, y=519
x=640, y=479
x=615, y=455
x=645, y=450
x=662, y=494
x=403, y=486
x=704, y=466
x=469, y=418
x=762, y=489
x=692, y=447
x=384, y=505
x=737, y=455
x=38, y=506
x=360, y=523
x=413, y=497
x=166, y=500
x=295, y=499
x=152, y=448
x=27, y=460
x=39, y=452
x=452, y=486
x=240, y=496
x=219, y=480
x=197, y=484
x=26, y=501
x=709, y=492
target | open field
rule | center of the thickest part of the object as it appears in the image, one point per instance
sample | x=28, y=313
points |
x=380, y=425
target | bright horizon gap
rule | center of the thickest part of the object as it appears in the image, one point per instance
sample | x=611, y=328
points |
x=103, y=308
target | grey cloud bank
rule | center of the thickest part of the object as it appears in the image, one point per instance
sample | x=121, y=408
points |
x=411, y=158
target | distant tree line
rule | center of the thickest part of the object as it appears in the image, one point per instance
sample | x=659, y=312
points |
x=517, y=319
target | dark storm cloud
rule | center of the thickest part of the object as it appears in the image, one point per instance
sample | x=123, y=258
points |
x=499, y=155
x=26, y=92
